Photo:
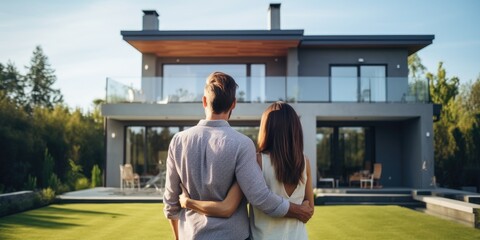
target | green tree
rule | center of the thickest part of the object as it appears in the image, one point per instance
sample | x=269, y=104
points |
x=12, y=83
x=442, y=89
x=16, y=145
x=447, y=136
x=415, y=66
x=473, y=98
x=41, y=78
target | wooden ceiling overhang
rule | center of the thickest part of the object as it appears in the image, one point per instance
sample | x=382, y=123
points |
x=258, y=43
x=248, y=43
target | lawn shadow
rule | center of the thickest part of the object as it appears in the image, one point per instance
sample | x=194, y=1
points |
x=50, y=217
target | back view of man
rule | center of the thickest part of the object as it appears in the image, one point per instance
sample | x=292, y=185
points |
x=207, y=159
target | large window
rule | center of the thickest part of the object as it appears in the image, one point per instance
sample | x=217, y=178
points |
x=344, y=84
x=146, y=147
x=372, y=84
x=185, y=82
x=343, y=150
x=365, y=83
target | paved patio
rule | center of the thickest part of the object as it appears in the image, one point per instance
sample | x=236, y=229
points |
x=109, y=194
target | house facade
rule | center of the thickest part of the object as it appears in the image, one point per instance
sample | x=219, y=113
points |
x=356, y=102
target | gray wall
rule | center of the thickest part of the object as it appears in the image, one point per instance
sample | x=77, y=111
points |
x=115, y=152
x=388, y=151
x=412, y=151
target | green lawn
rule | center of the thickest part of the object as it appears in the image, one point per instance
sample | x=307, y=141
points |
x=146, y=221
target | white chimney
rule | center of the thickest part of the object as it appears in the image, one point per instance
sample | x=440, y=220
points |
x=150, y=20
x=274, y=16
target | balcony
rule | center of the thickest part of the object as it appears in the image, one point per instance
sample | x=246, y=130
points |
x=163, y=90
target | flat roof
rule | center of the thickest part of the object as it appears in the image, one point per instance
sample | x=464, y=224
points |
x=251, y=43
x=411, y=42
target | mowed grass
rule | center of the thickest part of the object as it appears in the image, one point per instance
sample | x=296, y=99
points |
x=146, y=221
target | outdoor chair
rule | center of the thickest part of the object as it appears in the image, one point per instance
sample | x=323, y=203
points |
x=326, y=180
x=128, y=178
x=372, y=178
x=157, y=181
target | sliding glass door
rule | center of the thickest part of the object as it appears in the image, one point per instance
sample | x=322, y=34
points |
x=362, y=83
x=343, y=150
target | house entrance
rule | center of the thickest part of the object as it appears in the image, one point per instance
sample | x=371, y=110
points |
x=344, y=150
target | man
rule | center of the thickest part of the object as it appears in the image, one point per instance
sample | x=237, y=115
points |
x=207, y=159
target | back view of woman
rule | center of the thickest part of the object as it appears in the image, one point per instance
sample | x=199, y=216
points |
x=286, y=171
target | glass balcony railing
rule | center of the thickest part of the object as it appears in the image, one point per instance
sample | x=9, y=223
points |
x=269, y=89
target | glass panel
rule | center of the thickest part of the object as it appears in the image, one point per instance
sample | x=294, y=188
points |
x=158, y=139
x=372, y=88
x=256, y=83
x=344, y=84
x=352, y=148
x=185, y=82
x=135, y=148
x=275, y=89
x=324, y=152
x=308, y=89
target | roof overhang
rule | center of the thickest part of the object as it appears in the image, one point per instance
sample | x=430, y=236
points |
x=412, y=43
x=260, y=43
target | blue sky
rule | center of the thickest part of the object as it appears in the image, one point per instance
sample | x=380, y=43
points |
x=83, y=42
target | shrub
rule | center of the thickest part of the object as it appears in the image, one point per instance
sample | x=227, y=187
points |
x=82, y=183
x=96, y=176
x=47, y=196
x=31, y=183
x=54, y=182
x=47, y=171
x=73, y=174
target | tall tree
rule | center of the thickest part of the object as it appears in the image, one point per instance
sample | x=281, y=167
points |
x=447, y=135
x=473, y=100
x=415, y=66
x=41, y=78
x=12, y=83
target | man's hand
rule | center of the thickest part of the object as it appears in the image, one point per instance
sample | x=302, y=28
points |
x=184, y=197
x=301, y=212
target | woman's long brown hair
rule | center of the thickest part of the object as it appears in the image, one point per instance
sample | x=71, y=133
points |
x=281, y=136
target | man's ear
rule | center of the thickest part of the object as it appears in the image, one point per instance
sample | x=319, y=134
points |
x=233, y=105
x=204, y=101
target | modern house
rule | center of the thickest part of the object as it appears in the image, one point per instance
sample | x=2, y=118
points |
x=356, y=102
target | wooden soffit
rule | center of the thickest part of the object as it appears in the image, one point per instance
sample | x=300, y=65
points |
x=215, y=48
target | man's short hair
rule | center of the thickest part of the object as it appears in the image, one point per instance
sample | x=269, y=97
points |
x=220, y=91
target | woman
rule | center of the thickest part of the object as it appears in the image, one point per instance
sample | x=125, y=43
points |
x=285, y=169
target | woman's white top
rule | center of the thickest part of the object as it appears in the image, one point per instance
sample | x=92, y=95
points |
x=266, y=227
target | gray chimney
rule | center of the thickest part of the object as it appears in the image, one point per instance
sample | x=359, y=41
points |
x=150, y=20
x=274, y=16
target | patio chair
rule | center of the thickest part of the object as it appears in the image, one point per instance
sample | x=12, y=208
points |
x=158, y=179
x=372, y=178
x=326, y=180
x=128, y=177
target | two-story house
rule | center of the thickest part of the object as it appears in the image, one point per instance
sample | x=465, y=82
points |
x=357, y=105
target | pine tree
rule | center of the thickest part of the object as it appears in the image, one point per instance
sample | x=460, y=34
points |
x=40, y=78
x=12, y=83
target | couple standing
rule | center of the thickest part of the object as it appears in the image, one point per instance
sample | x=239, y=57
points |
x=216, y=166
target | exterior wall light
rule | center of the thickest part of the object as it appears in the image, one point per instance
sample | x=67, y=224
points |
x=361, y=60
x=427, y=134
x=146, y=66
x=113, y=135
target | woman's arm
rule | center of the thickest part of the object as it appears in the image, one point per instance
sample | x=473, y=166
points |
x=308, y=186
x=222, y=209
